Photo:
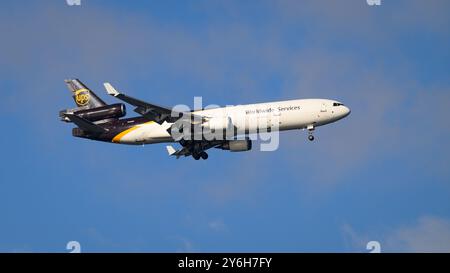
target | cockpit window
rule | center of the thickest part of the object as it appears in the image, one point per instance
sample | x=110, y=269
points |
x=337, y=104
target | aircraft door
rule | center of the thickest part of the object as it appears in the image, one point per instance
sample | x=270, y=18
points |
x=324, y=113
x=275, y=118
x=323, y=108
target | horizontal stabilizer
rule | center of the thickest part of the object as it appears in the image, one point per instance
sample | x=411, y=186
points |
x=171, y=150
x=85, y=124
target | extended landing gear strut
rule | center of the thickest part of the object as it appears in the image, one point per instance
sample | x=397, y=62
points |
x=202, y=155
x=310, y=132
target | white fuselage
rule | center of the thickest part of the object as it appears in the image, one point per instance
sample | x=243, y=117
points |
x=252, y=118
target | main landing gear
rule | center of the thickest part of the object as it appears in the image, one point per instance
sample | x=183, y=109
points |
x=202, y=155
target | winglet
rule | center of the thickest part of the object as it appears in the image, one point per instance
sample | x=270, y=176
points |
x=170, y=150
x=110, y=89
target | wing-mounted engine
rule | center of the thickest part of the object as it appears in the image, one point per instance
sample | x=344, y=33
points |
x=237, y=145
x=113, y=111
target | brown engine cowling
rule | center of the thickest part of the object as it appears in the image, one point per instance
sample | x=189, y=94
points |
x=117, y=110
x=237, y=145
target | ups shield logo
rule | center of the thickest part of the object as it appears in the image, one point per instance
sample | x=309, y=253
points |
x=82, y=97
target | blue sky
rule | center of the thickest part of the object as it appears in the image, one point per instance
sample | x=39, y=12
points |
x=380, y=174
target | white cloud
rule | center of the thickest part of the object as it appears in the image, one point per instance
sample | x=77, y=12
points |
x=186, y=246
x=217, y=225
x=427, y=234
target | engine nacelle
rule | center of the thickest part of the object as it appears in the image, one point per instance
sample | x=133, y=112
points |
x=237, y=145
x=218, y=124
x=117, y=110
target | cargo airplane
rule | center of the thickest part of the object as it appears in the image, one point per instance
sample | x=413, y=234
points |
x=226, y=128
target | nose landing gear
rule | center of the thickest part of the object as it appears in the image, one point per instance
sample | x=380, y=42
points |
x=310, y=132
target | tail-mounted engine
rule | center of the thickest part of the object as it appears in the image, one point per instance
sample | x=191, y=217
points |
x=112, y=111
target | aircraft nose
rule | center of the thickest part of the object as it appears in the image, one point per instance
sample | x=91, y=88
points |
x=347, y=111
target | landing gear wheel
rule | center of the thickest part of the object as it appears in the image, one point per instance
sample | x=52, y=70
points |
x=196, y=156
x=311, y=137
x=204, y=155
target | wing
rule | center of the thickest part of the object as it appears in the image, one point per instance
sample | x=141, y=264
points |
x=151, y=111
